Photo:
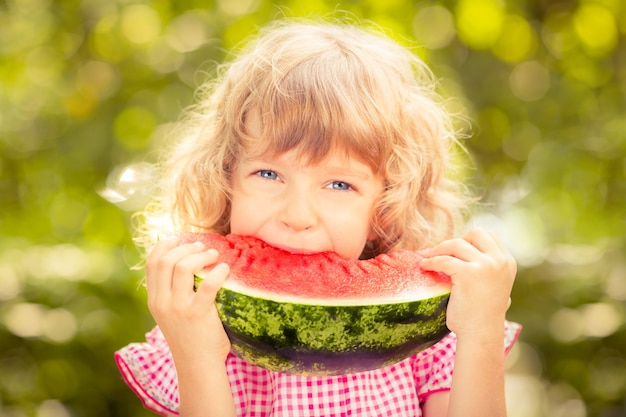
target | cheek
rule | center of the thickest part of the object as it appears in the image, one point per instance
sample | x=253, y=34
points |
x=238, y=216
x=239, y=204
x=249, y=213
x=350, y=234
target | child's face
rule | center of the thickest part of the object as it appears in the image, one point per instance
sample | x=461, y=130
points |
x=305, y=208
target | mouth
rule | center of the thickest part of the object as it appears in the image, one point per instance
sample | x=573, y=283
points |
x=292, y=250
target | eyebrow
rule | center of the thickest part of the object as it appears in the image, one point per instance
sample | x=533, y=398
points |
x=341, y=171
x=338, y=170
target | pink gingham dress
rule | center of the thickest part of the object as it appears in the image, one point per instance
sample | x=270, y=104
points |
x=395, y=391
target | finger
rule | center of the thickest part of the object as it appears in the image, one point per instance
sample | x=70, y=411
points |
x=161, y=268
x=187, y=267
x=160, y=249
x=448, y=265
x=458, y=248
x=211, y=283
x=484, y=240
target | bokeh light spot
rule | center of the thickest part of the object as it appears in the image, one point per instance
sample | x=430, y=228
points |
x=161, y=57
x=25, y=319
x=522, y=231
x=43, y=66
x=524, y=395
x=238, y=7
x=601, y=319
x=434, y=27
x=99, y=78
x=530, y=81
x=564, y=401
x=52, y=408
x=133, y=127
x=10, y=284
x=615, y=284
x=59, y=325
x=65, y=261
x=596, y=28
x=516, y=42
x=580, y=67
x=479, y=22
x=187, y=32
x=140, y=24
x=566, y=325
x=80, y=104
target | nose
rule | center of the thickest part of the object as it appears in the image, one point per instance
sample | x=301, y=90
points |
x=298, y=210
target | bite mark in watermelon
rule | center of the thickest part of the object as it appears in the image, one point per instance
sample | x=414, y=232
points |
x=320, y=314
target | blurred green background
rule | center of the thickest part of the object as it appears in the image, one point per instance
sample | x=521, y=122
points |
x=88, y=88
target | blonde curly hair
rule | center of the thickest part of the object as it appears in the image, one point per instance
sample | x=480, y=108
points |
x=319, y=87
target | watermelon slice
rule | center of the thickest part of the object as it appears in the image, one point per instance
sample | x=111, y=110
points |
x=320, y=314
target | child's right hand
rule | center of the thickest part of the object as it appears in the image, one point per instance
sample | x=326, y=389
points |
x=187, y=318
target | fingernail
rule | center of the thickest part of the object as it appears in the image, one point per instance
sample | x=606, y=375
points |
x=198, y=244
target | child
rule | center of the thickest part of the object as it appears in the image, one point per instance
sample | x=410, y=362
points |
x=320, y=137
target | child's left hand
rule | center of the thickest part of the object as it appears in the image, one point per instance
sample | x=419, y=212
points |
x=482, y=272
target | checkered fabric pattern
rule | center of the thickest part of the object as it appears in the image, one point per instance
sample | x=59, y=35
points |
x=394, y=391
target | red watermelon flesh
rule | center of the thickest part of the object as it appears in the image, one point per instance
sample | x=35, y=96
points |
x=262, y=270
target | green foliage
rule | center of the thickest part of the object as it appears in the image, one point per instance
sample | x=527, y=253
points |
x=87, y=89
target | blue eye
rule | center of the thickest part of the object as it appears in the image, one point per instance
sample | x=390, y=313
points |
x=267, y=174
x=340, y=185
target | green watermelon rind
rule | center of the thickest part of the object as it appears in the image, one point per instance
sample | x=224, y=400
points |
x=329, y=340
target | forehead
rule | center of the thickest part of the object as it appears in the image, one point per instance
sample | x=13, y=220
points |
x=307, y=143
